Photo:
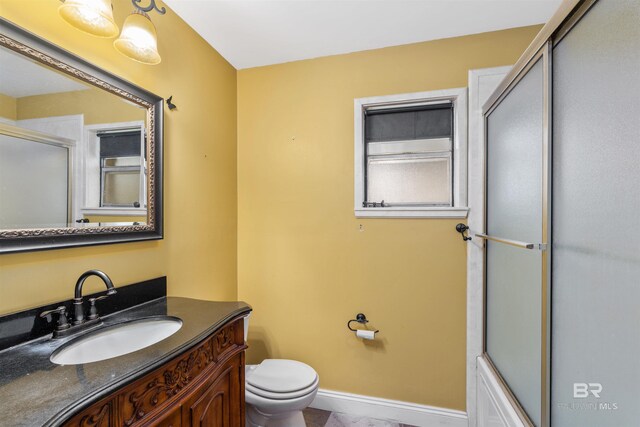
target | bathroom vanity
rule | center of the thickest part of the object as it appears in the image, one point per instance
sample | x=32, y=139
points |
x=193, y=377
x=200, y=386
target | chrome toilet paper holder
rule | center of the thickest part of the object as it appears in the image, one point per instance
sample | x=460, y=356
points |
x=360, y=318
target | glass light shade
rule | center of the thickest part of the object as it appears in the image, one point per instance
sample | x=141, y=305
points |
x=138, y=39
x=91, y=16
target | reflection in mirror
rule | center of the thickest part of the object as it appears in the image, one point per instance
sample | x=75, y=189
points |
x=121, y=171
x=71, y=154
x=34, y=180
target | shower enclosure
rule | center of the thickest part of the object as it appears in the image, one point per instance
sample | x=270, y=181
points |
x=561, y=247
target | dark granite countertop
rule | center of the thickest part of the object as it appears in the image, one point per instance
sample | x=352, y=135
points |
x=36, y=392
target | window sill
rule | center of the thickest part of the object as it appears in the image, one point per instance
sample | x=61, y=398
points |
x=406, y=212
x=115, y=211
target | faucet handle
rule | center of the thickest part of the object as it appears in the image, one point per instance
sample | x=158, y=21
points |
x=63, y=323
x=62, y=310
x=92, y=301
x=93, y=311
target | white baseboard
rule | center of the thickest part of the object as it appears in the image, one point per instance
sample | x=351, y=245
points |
x=385, y=409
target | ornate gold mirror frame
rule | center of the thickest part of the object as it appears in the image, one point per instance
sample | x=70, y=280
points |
x=37, y=49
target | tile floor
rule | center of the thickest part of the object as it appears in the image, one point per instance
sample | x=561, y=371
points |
x=320, y=418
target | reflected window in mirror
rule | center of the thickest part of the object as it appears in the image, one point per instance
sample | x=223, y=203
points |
x=115, y=172
x=122, y=172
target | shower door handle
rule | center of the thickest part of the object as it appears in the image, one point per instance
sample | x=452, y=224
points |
x=516, y=243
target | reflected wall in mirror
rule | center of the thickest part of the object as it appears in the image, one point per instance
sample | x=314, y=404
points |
x=80, y=150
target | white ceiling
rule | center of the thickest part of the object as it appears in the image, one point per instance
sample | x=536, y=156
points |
x=21, y=77
x=251, y=33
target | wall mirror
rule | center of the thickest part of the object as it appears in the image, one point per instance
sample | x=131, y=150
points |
x=80, y=150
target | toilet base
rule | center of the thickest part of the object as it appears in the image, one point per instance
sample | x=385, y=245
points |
x=255, y=418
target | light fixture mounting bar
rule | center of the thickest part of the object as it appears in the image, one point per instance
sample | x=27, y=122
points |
x=152, y=6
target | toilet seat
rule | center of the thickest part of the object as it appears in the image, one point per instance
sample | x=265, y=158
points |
x=282, y=396
x=281, y=379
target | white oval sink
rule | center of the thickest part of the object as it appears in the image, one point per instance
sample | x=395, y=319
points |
x=116, y=340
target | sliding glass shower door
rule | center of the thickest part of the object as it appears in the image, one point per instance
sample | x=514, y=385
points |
x=596, y=200
x=562, y=305
x=516, y=237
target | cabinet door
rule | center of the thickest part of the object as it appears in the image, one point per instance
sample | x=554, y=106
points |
x=218, y=405
x=173, y=418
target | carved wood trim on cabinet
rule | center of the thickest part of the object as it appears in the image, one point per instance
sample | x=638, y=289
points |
x=166, y=397
x=228, y=340
x=102, y=414
x=152, y=391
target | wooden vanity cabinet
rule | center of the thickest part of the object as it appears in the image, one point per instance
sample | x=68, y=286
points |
x=204, y=386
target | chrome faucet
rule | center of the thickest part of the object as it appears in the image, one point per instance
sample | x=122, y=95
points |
x=78, y=306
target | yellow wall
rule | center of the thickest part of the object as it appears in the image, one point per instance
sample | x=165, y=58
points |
x=303, y=261
x=8, y=107
x=198, y=253
x=97, y=106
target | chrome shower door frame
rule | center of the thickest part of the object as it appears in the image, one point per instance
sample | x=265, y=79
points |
x=544, y=54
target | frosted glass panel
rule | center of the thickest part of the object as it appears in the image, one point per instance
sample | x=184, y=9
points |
x=513, y=320
x=121, y=188
x=33, y=184
x=596, y=238
x=423, y=180
x=514, y=211
x=514, y=162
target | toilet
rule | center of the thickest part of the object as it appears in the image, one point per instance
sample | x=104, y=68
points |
x=277, y=390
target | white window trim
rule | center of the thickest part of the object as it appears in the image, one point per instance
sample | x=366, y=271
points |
x=458, y=98
x=89, y=192
x=115, y=211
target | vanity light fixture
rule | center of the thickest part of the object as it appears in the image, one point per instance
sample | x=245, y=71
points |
x=94, y=17
x=138, y=39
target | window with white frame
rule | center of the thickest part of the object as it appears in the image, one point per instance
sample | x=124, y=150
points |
x=411, y=155
x=115, y=169
x=121, y=173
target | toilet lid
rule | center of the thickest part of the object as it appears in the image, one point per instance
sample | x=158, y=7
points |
x=281, y=376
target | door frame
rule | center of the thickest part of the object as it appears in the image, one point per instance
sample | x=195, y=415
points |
x=478, y=81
